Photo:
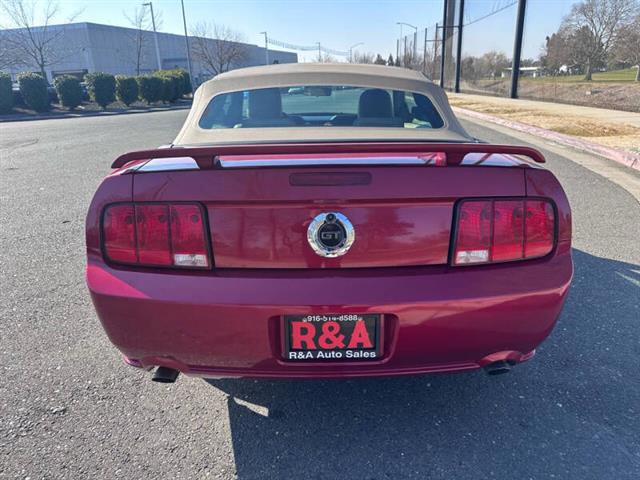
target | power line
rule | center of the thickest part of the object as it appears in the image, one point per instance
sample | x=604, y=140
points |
x=306, y=48
x=493, y=12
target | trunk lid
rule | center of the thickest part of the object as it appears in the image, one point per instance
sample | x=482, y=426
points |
x=260, y=211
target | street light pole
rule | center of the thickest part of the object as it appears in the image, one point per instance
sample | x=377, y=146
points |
x=351, y=50
x=186, y=41
x=424, y=54
x=415, y=39
x=155, y=33
x=266, y=48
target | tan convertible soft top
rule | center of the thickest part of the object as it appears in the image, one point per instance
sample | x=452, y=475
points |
x=301, y=74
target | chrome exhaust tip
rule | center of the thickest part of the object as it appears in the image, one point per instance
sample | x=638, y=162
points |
x=165, y=375
x=498, y=368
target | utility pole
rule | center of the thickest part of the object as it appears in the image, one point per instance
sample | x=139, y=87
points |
x=424, y=53
x=266, y=48
x=456, y=87
x=444, y=41
x=319, y=53
x=517, y=48
x=155, y=33
x=186, y=41
x=435, y=51
x=351, y=50
x=404, y=55
x=415, y=39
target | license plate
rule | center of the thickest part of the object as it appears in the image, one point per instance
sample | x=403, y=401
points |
x=341, y=337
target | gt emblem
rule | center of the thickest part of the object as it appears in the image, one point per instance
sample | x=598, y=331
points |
x=330, y=234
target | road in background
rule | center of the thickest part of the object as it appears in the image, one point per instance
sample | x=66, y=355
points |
x=69, y=408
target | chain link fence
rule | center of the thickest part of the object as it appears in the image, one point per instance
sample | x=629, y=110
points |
x=539, y=50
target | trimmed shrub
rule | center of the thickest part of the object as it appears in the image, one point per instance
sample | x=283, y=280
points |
x=101, y=87
x=149, y=88
x=33, y=89
x=69, y=91
x=168, y=90
x=186, y=81
x=126, y=89
x=181, y=78
x=172, y=90
x=6, y=93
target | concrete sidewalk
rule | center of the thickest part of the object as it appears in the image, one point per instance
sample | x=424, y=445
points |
x=611, y=134
x=600, y=114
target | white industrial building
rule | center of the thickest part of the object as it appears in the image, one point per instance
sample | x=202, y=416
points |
x=81, y=48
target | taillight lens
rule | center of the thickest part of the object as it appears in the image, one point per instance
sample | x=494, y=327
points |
x=118, y=226
x=187, y=239
x=473, y=243
x=496, y=230
x=150, y=234
x=540, y=228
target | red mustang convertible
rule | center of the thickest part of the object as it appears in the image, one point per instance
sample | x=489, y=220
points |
x=327, y=221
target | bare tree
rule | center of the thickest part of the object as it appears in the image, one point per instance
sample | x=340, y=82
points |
x=326, y=58
x=141, y=22
x=627, y=47
x=359, y=57
x=217, y=47
x=23, y=43
x=596, y=24
x=379, y=60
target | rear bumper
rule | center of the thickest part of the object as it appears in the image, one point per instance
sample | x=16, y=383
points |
x=229, y=322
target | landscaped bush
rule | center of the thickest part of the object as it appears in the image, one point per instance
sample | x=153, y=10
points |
x=126, y=89
x=149, y=88
x=101, y=87
x=172, y=85
x=6, y=93
x=168, y=90
x=69, y=91
x=186, y=81
x=33, y=89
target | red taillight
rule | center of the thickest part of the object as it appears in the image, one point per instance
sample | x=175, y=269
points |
x=491, y=231
x=118, y=226
x=152, y=226
x=508, y=230
x=473, y=243
x=187, y=239
x=153, y=234
x=540, y=228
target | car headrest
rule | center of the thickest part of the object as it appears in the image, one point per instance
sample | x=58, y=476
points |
x=265, y=104
x=376, y=103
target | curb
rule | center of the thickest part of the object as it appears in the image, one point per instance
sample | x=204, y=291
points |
x=628, y=159
x=24, y=117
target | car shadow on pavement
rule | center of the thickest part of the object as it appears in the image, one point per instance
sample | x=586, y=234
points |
x=571, y=412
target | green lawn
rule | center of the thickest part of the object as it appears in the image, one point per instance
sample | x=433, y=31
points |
x=626, y=75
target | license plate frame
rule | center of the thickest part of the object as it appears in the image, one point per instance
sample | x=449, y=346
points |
x=349, y=343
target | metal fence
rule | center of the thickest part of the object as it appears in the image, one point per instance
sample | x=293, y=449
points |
x=498, y=48
x=457, y=75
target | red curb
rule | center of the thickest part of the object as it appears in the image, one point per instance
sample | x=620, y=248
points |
x=623, y=157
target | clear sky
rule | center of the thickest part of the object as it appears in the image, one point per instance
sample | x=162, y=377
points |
x=340, y=24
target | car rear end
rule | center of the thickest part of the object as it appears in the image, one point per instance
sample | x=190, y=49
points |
x=201, y=260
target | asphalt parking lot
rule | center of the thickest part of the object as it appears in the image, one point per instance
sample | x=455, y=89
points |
x=69, y=408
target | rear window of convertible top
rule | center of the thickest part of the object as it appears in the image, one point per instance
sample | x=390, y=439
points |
x=320, y=106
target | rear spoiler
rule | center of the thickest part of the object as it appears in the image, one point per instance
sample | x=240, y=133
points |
x=208, y=157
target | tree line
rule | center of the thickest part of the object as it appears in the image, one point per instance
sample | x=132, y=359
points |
x=595, y=35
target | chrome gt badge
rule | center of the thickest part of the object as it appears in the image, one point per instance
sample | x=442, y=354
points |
x=331, y=234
